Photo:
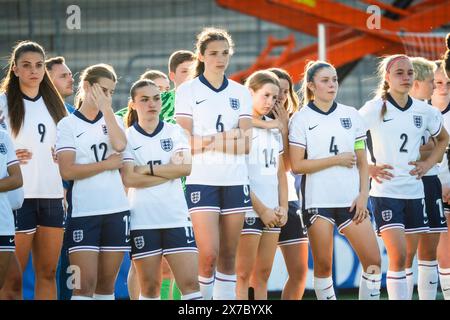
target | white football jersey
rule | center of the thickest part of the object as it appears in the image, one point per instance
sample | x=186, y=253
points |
x=162, y=206
x=444, y=171
x=38, y=134
x=324, y=135
x=396, y=139
x=7, y=158
x=263, y=163
x=212, y=111
x=100, y=194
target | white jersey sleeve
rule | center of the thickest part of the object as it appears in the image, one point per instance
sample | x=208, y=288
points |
x=361, y=129
x=246, y=107
x=15, y=196
x=434, y=125
x=297, y=133
x=183, y=101
x=369, y=113
x=65, y=140
x=182, y=142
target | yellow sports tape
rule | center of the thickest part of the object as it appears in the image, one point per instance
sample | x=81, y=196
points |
x=360, y=145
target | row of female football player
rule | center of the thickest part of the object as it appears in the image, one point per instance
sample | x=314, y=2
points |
x=236, y=185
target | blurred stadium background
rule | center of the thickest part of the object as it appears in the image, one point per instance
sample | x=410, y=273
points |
x=137, y=35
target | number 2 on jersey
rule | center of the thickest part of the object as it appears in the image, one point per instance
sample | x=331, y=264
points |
x=404, y=137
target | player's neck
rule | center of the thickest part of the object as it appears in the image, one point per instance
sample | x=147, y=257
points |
x=400, y=98
x=324, y=106
x=149, y=126
x=215, y=79
x=31, y=92
x=89, y=110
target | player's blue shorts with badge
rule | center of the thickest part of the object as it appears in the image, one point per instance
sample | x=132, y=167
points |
x=39, y=212
x=341, y=217
x=254, y=225
x=294, y=231
x=7, y=243
x=100, y=233
x=433, y=204
x=151, y=242
x=221, y=199
x=407, y=214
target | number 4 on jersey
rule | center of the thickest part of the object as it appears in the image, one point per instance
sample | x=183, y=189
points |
x=333, y=147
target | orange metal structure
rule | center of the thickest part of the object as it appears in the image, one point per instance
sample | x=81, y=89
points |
x=351, y=41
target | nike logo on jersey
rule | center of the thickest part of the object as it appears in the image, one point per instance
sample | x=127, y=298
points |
x=247, y=201
x=431, y=282
x=190, y=241
x=387, y=120
x=80, y=134
x=137, y=148
x=446, y=289
x=310, y=128
x=198, y=102
x=330, y=297
x=374, y=295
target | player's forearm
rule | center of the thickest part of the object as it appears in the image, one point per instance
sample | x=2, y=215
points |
x=136, y=180
x=306, y=166
x=116, y=135
x=10, y=183
x=258, y=206
x=81, y=171
x=282, y=189
x=172, y=171
x=439, y=150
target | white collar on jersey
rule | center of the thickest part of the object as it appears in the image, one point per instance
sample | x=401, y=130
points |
x=209, y=85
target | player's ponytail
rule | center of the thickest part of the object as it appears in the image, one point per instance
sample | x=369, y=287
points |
x=384, y=67
x=92, y=74
x=311, y=69
x=446, y=59
x=11, y=87
x=203, y=39
x=131, y=116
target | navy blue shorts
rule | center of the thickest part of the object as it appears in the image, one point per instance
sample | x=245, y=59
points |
x=151, y=242
x=407, y=214
x=294, y=231
x=221, y=199
x=7, y=244
x=39, y=212
x=433, y=204
x=341, y=217
x=254, y=225
x=101, y=233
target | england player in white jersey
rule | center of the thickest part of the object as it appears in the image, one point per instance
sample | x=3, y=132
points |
x=158, y=155
x=327, y=145
x=396, y=123
x=268, y=191
x=10, y=179
x=441, y=100
x=216, y=112
x=32, y=107
x=427, y=278
x=89, y=145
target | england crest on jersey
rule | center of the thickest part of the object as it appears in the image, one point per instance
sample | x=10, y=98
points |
x=78, y=235
x=166, y=144
x=418, y=121
x=104, y=129
x=3, y=149
x=234, y=104
x=139, y=242
x=195, y=196
x=386, y=215
x=346, y=123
